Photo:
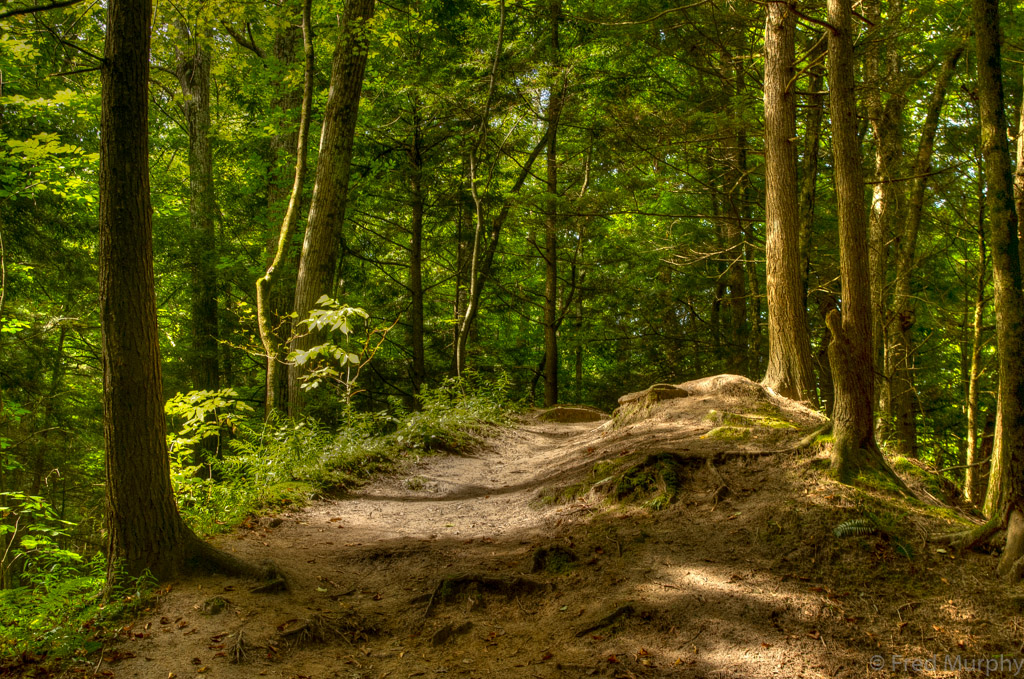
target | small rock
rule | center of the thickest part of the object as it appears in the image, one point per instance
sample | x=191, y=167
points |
x=214, y=606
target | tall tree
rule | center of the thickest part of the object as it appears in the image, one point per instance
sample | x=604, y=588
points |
x=144, y=529
x=885, y=101
x=789, y=346
x=193, y=72
x=1006, y=482
x=289, y=224
x=322, y=240
x=556, y=93
x=900, y=377
x=850, y=353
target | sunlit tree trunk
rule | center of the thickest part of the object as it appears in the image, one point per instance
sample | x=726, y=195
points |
x=267, y=316
x=322, y=240
x=789, y=346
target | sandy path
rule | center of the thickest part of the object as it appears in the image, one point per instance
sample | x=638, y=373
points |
x=747, y=584
x=486, y=493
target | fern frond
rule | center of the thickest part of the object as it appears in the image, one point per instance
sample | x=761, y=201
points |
x=855, y=527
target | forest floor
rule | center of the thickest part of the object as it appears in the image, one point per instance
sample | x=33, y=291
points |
x=535, y=555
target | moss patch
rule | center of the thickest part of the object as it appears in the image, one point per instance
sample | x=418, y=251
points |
x=931, y=481
x=652, y=483
x=728, y=433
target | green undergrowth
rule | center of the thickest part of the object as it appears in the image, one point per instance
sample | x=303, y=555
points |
x=283, y=463
x=59, y=617
x=52, y=609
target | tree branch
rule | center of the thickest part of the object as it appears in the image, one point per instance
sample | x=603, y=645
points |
x=38, y=8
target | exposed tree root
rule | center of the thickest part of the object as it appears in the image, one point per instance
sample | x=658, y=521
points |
x=240, y=648
x=450, y=589
x=973, y=538
x=807, y=441
x=326, y=627
x=607, y=620
x=200, y=556
x=1011, y=564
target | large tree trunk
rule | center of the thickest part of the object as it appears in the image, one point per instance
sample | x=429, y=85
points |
x=144, y=529
x=789, y=345
x=266, y=315
x=1006, y=499
x=193, y=71
x=1018, y=182
x=901, y=392
x=854, y=449
x=551, y=222
x=330, y=189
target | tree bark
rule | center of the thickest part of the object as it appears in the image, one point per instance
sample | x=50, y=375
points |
x=287, y=48
x=265, y=312
x=899, y=370
x=735, y=275
x=972, y=475
x=789, y=346
x=554, y=111
x=1005, y=501
x=885, y=103
x=320, y=245
x=854, y=449
x=193, y=71
x=1018, y=182
x=809, y=162
x=144, y=530
x=419, y=369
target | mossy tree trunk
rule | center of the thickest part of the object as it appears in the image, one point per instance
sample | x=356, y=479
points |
x=1006, y=483
x=854, y=449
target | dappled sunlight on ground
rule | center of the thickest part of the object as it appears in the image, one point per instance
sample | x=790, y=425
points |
x=516, y=560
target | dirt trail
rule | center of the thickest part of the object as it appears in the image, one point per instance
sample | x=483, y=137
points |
x=463, y=566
